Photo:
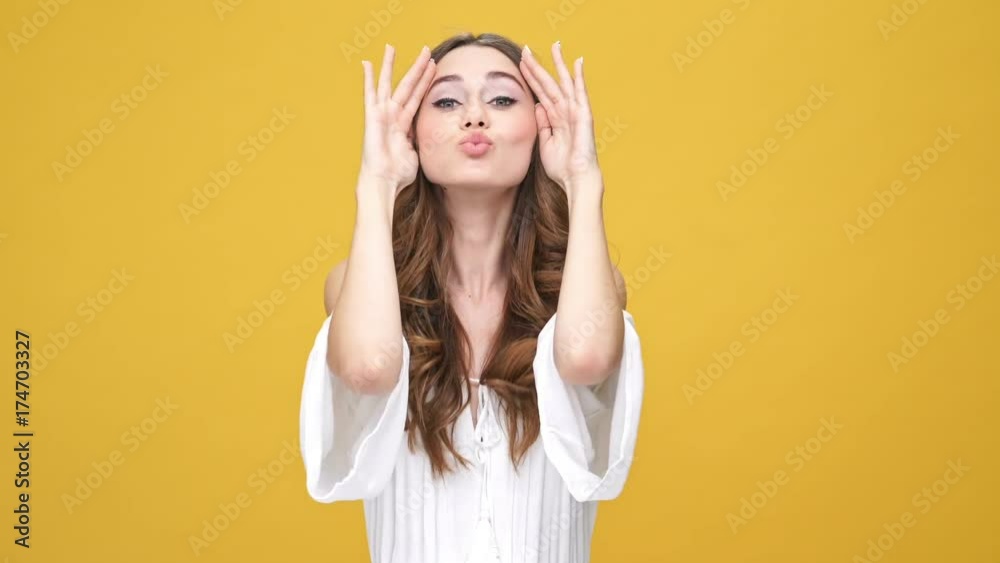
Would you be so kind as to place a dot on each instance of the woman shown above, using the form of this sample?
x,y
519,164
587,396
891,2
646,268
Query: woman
x,y
477,381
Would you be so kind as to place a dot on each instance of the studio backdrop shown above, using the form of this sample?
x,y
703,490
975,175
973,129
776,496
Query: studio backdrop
x,y
802,197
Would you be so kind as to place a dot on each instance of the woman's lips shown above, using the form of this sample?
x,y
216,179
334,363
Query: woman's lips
x,y
475,149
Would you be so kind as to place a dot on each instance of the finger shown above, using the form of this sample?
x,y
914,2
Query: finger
x,y
544,127
542,77
385,77
529,77
580,85
413,102
565,80
369,85
416,71
543,98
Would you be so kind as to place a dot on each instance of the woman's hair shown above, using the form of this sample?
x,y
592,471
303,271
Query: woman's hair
x,y
534,253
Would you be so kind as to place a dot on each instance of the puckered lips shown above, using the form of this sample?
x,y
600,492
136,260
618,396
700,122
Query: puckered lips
x,y
475,144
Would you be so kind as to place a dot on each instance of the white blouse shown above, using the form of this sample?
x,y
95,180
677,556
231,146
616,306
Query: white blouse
x,y
354,447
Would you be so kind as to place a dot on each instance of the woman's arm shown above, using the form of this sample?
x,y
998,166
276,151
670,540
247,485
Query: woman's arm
x,y
365,342
364,346
589,328
349,431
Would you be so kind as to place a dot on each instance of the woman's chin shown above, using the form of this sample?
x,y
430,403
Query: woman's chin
x,y
476,179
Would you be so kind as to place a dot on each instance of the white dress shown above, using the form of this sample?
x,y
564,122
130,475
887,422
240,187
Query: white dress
x,y
354,447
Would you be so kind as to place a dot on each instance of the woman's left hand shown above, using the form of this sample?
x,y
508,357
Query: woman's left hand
x,y
565,123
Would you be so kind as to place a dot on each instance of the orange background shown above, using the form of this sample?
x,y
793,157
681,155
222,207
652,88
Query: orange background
x,y
792,317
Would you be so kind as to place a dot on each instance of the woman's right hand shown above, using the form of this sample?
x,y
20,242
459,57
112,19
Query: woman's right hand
x,y
388,154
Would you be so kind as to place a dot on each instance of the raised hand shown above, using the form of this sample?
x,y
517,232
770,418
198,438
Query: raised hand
x,y
388,154
565,123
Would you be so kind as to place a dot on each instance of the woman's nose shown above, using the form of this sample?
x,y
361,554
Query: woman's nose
x,y
475,115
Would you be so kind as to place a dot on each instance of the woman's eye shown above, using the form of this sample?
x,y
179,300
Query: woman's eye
x,y
448,103
445,103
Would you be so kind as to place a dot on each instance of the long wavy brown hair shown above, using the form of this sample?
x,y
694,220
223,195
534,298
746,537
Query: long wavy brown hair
x,y
534,254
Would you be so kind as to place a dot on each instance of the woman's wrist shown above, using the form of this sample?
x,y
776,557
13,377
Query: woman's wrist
x,y
375,195
585,189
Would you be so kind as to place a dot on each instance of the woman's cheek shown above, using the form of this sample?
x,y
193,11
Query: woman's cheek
x,y
523,138
429,140
526,129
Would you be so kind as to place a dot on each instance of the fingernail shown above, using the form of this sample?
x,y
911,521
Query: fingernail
x,y
558,45
527,49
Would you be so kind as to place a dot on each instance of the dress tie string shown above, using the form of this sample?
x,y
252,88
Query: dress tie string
x,y
487,435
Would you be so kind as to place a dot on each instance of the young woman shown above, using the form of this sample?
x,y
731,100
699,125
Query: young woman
x,y
477,381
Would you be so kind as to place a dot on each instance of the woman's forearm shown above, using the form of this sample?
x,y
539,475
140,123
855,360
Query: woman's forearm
x,y
365,347
589,325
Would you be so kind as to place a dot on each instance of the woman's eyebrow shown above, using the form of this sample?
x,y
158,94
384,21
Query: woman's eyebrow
x,y
492,75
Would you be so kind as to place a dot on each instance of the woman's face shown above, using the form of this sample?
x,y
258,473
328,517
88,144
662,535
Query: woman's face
x,y
476,125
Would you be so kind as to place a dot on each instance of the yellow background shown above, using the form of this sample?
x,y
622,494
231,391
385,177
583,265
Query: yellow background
x,y
680,129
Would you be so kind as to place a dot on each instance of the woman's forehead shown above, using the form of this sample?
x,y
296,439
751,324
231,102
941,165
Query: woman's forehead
x,y
474,61
477,64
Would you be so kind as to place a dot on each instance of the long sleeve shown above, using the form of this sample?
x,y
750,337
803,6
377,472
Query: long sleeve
x,y
589,432
349,441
